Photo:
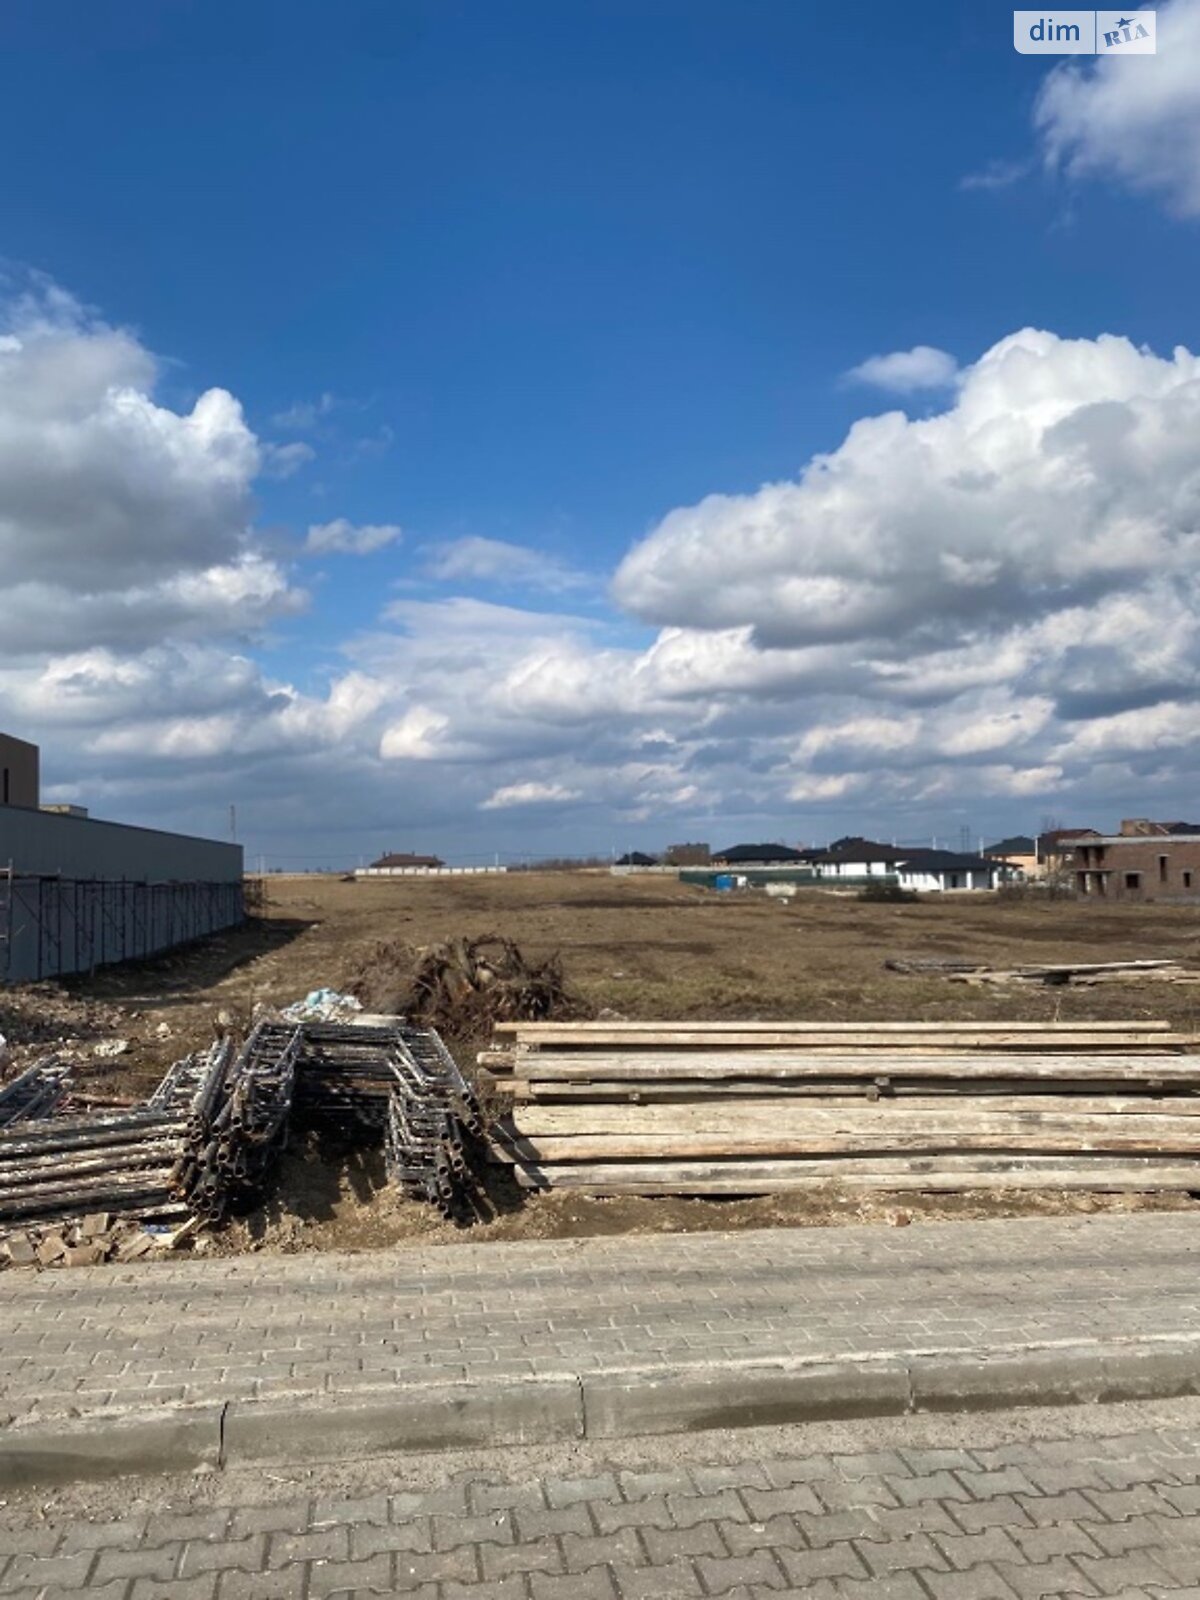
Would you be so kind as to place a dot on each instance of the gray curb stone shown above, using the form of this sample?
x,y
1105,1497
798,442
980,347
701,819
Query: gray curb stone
x,y
430,1417
687,1400
163,1440
606,1404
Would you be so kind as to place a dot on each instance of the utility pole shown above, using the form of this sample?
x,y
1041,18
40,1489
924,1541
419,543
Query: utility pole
x,y
233,823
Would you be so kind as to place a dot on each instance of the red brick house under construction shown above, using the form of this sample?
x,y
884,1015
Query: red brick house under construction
x,y
1139,865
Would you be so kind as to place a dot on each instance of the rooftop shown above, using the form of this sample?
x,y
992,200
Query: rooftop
x,y
403,859
1019,845
948,861
760,852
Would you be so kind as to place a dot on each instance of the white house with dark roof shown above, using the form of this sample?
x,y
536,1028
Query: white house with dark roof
x,y
860,859
919,868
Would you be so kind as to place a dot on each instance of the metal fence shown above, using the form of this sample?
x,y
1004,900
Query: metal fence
x,y
51,925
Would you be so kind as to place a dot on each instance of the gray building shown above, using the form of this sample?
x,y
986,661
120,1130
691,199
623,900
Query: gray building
x,y
77,893
18,772
57,844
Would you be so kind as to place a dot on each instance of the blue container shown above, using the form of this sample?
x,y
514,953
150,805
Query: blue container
x,y
723,881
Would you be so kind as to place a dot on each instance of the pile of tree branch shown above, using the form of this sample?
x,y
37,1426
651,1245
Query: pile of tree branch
x,y
462,987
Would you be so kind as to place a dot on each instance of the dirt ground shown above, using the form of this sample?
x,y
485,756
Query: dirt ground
x,y
638,947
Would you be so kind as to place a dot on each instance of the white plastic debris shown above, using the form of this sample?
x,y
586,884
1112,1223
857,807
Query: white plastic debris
x,y
322,1005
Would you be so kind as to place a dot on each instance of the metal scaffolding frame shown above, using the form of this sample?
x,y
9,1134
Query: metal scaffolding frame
x,y
51,925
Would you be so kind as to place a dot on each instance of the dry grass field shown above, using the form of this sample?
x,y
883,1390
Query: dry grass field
x,y
651,947
640,947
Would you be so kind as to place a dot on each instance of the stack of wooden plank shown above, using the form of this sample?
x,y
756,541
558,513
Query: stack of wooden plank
x,y
733,1108
1058,974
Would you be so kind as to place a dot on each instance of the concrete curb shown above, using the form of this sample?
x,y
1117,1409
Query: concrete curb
x,y
607,1404
411,1417
697,1399
74,1448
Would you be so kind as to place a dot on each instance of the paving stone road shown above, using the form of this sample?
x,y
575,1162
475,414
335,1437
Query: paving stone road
x,y
1012,1507
97,1339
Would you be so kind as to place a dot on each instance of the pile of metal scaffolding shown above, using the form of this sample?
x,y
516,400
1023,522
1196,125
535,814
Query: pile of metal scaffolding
x,y
238,1121
207,1140
346,1077
434,1121
67,1165
399,1081
35,1093
56,1162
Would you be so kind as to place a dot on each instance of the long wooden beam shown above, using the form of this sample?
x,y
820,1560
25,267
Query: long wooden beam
x,y
811,1115
1096,1175
831,1043
722,1066
542,1030
938,1123
1178,1136
829,1088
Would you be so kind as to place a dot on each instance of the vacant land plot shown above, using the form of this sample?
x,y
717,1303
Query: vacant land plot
x,y
639,947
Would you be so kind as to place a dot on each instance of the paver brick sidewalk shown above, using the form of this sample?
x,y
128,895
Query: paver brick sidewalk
x,y
1109,1514
259,1328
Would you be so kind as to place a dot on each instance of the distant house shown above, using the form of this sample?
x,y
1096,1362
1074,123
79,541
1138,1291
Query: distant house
x,y
759,855
857,858
1020,851
1020,844
917,867
396,860
635,858
950,869
687,855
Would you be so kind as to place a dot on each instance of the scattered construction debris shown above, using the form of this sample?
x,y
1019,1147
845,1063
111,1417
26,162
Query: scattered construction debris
x,y
40,1017
91,1240
1078,974
761,1108
322,1005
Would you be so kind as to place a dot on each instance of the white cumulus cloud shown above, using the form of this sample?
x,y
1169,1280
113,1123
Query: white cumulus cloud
x,y
118,515
906,371
530,794
1064,470
416,736
1134,120
495,561
341,536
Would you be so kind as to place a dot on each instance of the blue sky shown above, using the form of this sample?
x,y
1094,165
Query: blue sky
x,y
546,275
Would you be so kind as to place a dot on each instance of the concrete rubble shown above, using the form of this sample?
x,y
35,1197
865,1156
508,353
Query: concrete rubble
x,y
88,1242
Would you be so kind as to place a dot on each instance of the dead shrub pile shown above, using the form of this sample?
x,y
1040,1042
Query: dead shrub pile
x,y
464,986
